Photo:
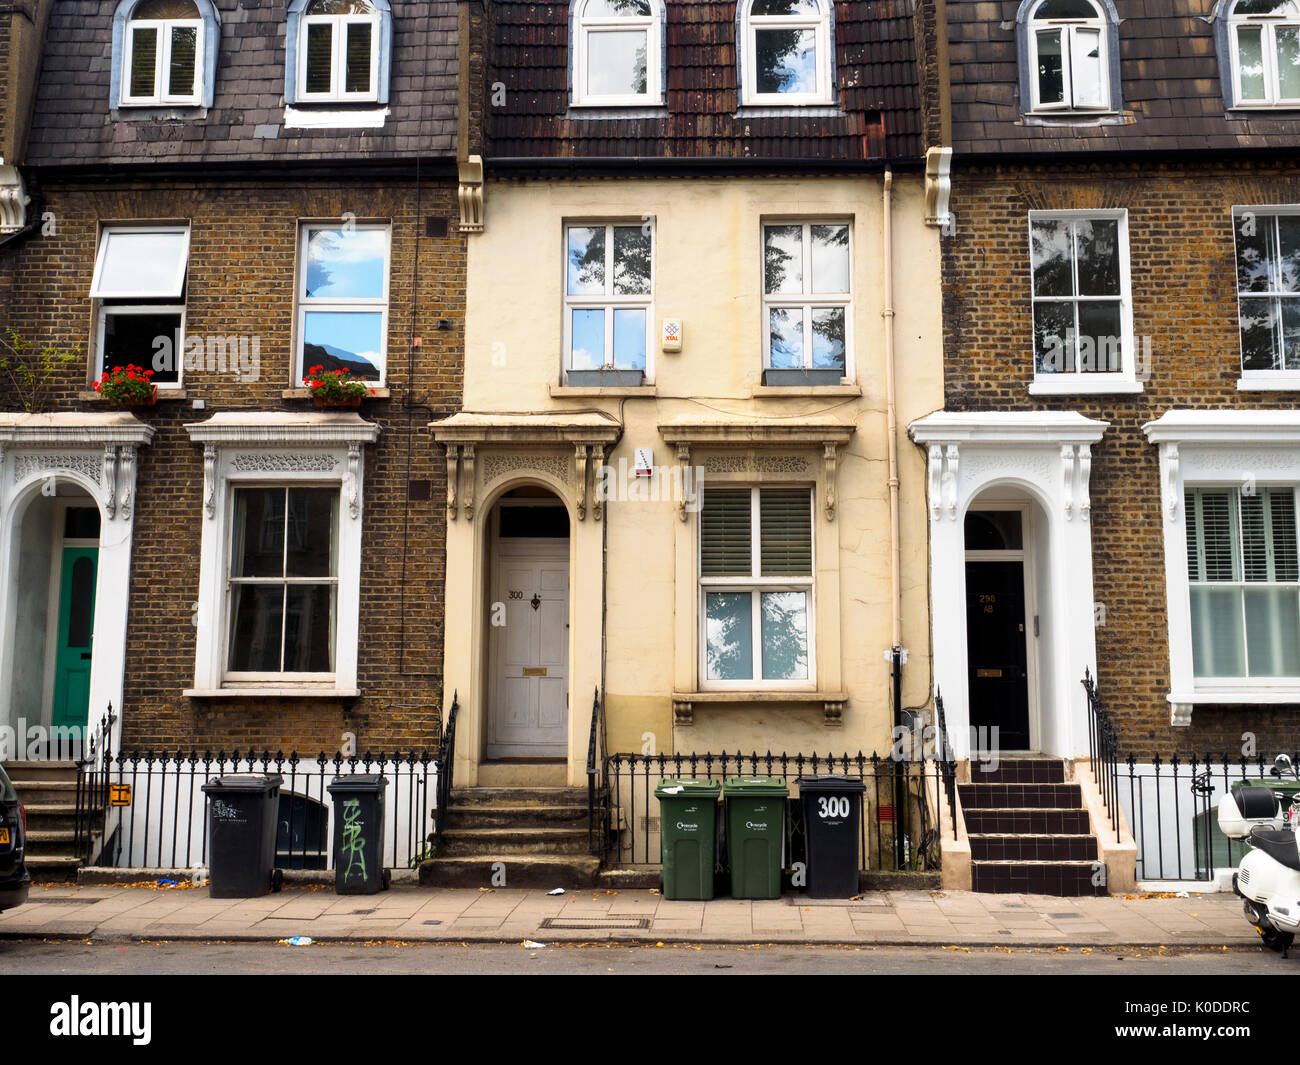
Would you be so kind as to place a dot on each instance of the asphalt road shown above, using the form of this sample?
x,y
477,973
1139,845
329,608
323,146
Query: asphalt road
x,y
166,959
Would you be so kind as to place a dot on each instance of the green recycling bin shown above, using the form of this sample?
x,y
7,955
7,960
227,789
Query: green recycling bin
x,y
688,812
755,835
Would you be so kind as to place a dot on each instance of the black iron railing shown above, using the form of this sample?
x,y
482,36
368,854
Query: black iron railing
x,y
92,792
162,819
597,791
631,781
446,770
1103,750
947,764
1172,808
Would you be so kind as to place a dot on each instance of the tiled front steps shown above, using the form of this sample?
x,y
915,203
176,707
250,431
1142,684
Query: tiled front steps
x,y
48,791
1029,831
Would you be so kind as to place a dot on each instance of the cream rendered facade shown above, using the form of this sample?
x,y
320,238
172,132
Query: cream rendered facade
x,y
634,628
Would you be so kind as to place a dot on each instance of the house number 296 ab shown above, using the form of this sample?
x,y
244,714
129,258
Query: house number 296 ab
x,y
832,806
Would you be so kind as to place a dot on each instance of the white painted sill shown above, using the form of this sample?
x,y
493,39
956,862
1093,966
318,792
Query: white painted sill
x,y
1101,385
324,119
1238,697
269,692
1269,384
306,393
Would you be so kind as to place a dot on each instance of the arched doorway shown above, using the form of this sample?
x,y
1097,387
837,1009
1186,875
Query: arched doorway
x,y
56,545
528,627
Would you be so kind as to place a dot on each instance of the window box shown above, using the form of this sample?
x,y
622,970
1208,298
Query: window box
x,y
605,378
805,378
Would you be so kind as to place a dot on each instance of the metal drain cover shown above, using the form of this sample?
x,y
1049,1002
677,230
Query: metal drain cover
x,y
578,924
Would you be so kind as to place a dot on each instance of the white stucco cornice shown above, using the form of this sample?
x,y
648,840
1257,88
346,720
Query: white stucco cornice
x,y
1005,427
74,429
1225,426
560,427
278,428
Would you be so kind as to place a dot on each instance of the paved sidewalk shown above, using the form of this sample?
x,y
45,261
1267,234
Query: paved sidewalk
x,y
464,915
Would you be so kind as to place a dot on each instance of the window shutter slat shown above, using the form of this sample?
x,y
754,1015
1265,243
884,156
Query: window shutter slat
x,y
1215,535
785,524
144,57
320,57
358,57
180,78
725,549
1286,564
1254,542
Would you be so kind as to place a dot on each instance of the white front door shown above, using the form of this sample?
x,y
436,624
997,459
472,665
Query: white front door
x,y
528,714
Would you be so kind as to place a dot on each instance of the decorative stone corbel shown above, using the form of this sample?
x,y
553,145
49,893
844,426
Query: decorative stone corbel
x,y
210,480
1085,477
950,482
833,712
580,485
935,469
1067,475
470,194
597,463
684,461
1180,715
453,472
13,200
831,452
126,477
683,712
1169,462
938,190
467,469
110,480
354,479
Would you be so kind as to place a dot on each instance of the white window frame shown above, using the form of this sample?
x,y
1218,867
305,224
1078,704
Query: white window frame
x,y
1077,382
750,24
756,585
101,332
585,25
608,301
338,58
141,304
1262,380
1269,25
808,300
162,63
305,304
246,450
231,676
1069,31
1239,580
1208,449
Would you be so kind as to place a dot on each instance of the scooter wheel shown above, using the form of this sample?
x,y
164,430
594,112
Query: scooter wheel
x,y
1273,939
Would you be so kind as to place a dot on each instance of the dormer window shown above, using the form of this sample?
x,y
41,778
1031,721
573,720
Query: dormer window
x,y
1068,56
616,62
164,53
786,50
338,51
1263,39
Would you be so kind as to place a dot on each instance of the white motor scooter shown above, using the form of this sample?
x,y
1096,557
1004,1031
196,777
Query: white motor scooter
x,y
1268,878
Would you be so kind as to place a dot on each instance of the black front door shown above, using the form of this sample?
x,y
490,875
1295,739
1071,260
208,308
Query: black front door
x,y
995,654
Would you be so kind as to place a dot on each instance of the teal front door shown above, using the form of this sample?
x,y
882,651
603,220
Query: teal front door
x,y
75,632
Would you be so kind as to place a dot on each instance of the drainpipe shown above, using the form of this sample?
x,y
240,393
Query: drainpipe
x,y
896,656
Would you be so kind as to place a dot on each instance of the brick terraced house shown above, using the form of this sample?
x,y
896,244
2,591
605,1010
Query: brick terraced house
x,y
1115,476
229,193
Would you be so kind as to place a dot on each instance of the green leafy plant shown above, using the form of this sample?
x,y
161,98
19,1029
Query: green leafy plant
x,y
336,386
126,385
429,852
30,371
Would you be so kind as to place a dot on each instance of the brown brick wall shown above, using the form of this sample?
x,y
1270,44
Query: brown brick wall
x,y
1184,298
240,283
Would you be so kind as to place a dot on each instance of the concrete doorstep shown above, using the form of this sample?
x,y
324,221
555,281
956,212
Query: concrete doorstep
x,y
407,913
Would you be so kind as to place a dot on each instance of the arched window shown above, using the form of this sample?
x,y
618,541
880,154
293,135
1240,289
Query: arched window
x,y
338,51
1263,39
617,45
786,52
164,53
1068,55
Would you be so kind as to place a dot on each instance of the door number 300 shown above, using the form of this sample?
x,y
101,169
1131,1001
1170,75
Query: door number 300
x,y
832,806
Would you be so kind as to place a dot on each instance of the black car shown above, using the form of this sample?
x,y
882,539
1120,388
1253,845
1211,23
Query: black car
x,y
14,879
